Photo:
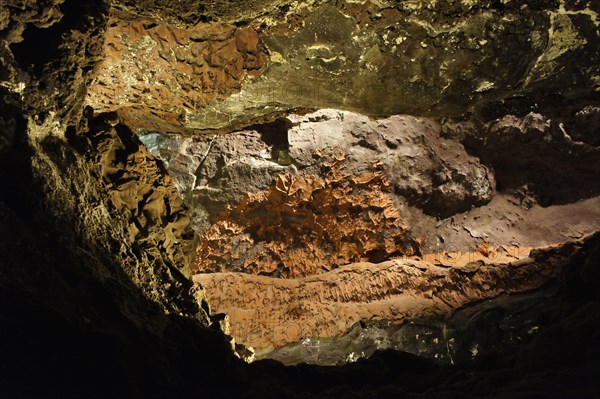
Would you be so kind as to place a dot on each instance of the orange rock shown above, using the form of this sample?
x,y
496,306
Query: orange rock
x,y
327,304
246,40
161,71
307,224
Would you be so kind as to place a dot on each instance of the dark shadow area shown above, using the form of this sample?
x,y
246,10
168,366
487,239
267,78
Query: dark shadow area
x,y
75,325
275,134
41,46
15,154
554,160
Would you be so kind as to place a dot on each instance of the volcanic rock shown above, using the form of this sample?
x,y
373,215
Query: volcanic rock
x,y
267,312
171,72
95,299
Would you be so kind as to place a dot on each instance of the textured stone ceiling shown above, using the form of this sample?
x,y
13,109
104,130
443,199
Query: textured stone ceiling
x,y
322,180
321,168
441,59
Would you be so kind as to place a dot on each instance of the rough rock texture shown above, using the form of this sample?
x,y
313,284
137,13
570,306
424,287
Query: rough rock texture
x,y
85,311
433,173
91,307
213,172
189,12
267,312
324,189
141,192
508,220
50,117
427,168
306,224
331,187
584,127
156,74
479,330
377,58
552,363
439,59
522,150
48,54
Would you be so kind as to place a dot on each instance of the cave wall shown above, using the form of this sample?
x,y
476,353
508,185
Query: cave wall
x,y
64,170
89,305
95,299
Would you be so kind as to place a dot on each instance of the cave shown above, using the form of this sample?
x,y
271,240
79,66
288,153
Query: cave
x,y
300,199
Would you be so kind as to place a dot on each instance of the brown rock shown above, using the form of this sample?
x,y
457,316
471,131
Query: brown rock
x,y
246,40
138,188
155,73
307,224
267,312
212,32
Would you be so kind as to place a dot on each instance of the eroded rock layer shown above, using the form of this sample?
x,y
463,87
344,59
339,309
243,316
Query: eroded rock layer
x,y
476,331
268,312
305,224
377,58
171,72
94,295
312,193
338,179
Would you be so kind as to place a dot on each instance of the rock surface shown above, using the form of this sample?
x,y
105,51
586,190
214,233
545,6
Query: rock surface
x,y
382,58
475,331
433,173
144,195
303,225
93,298
522,150
171,72
267,313
329,188
304,194
215,171
88,307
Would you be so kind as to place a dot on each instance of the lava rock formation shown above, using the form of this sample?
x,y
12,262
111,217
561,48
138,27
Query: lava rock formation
x,y
375,130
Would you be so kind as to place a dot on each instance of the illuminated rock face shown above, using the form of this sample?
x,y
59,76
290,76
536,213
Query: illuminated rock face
x,y
157,74
310,193
307,224
267,312
299,201
218,71
500,150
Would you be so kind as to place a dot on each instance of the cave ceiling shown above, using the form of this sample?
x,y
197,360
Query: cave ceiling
x,y
190,185
322,167
245,63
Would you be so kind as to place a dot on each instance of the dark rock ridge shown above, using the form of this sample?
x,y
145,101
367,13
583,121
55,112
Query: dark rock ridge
x,y
523,150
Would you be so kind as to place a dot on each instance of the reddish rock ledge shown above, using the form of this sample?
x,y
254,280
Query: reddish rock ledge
x,y
268,312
